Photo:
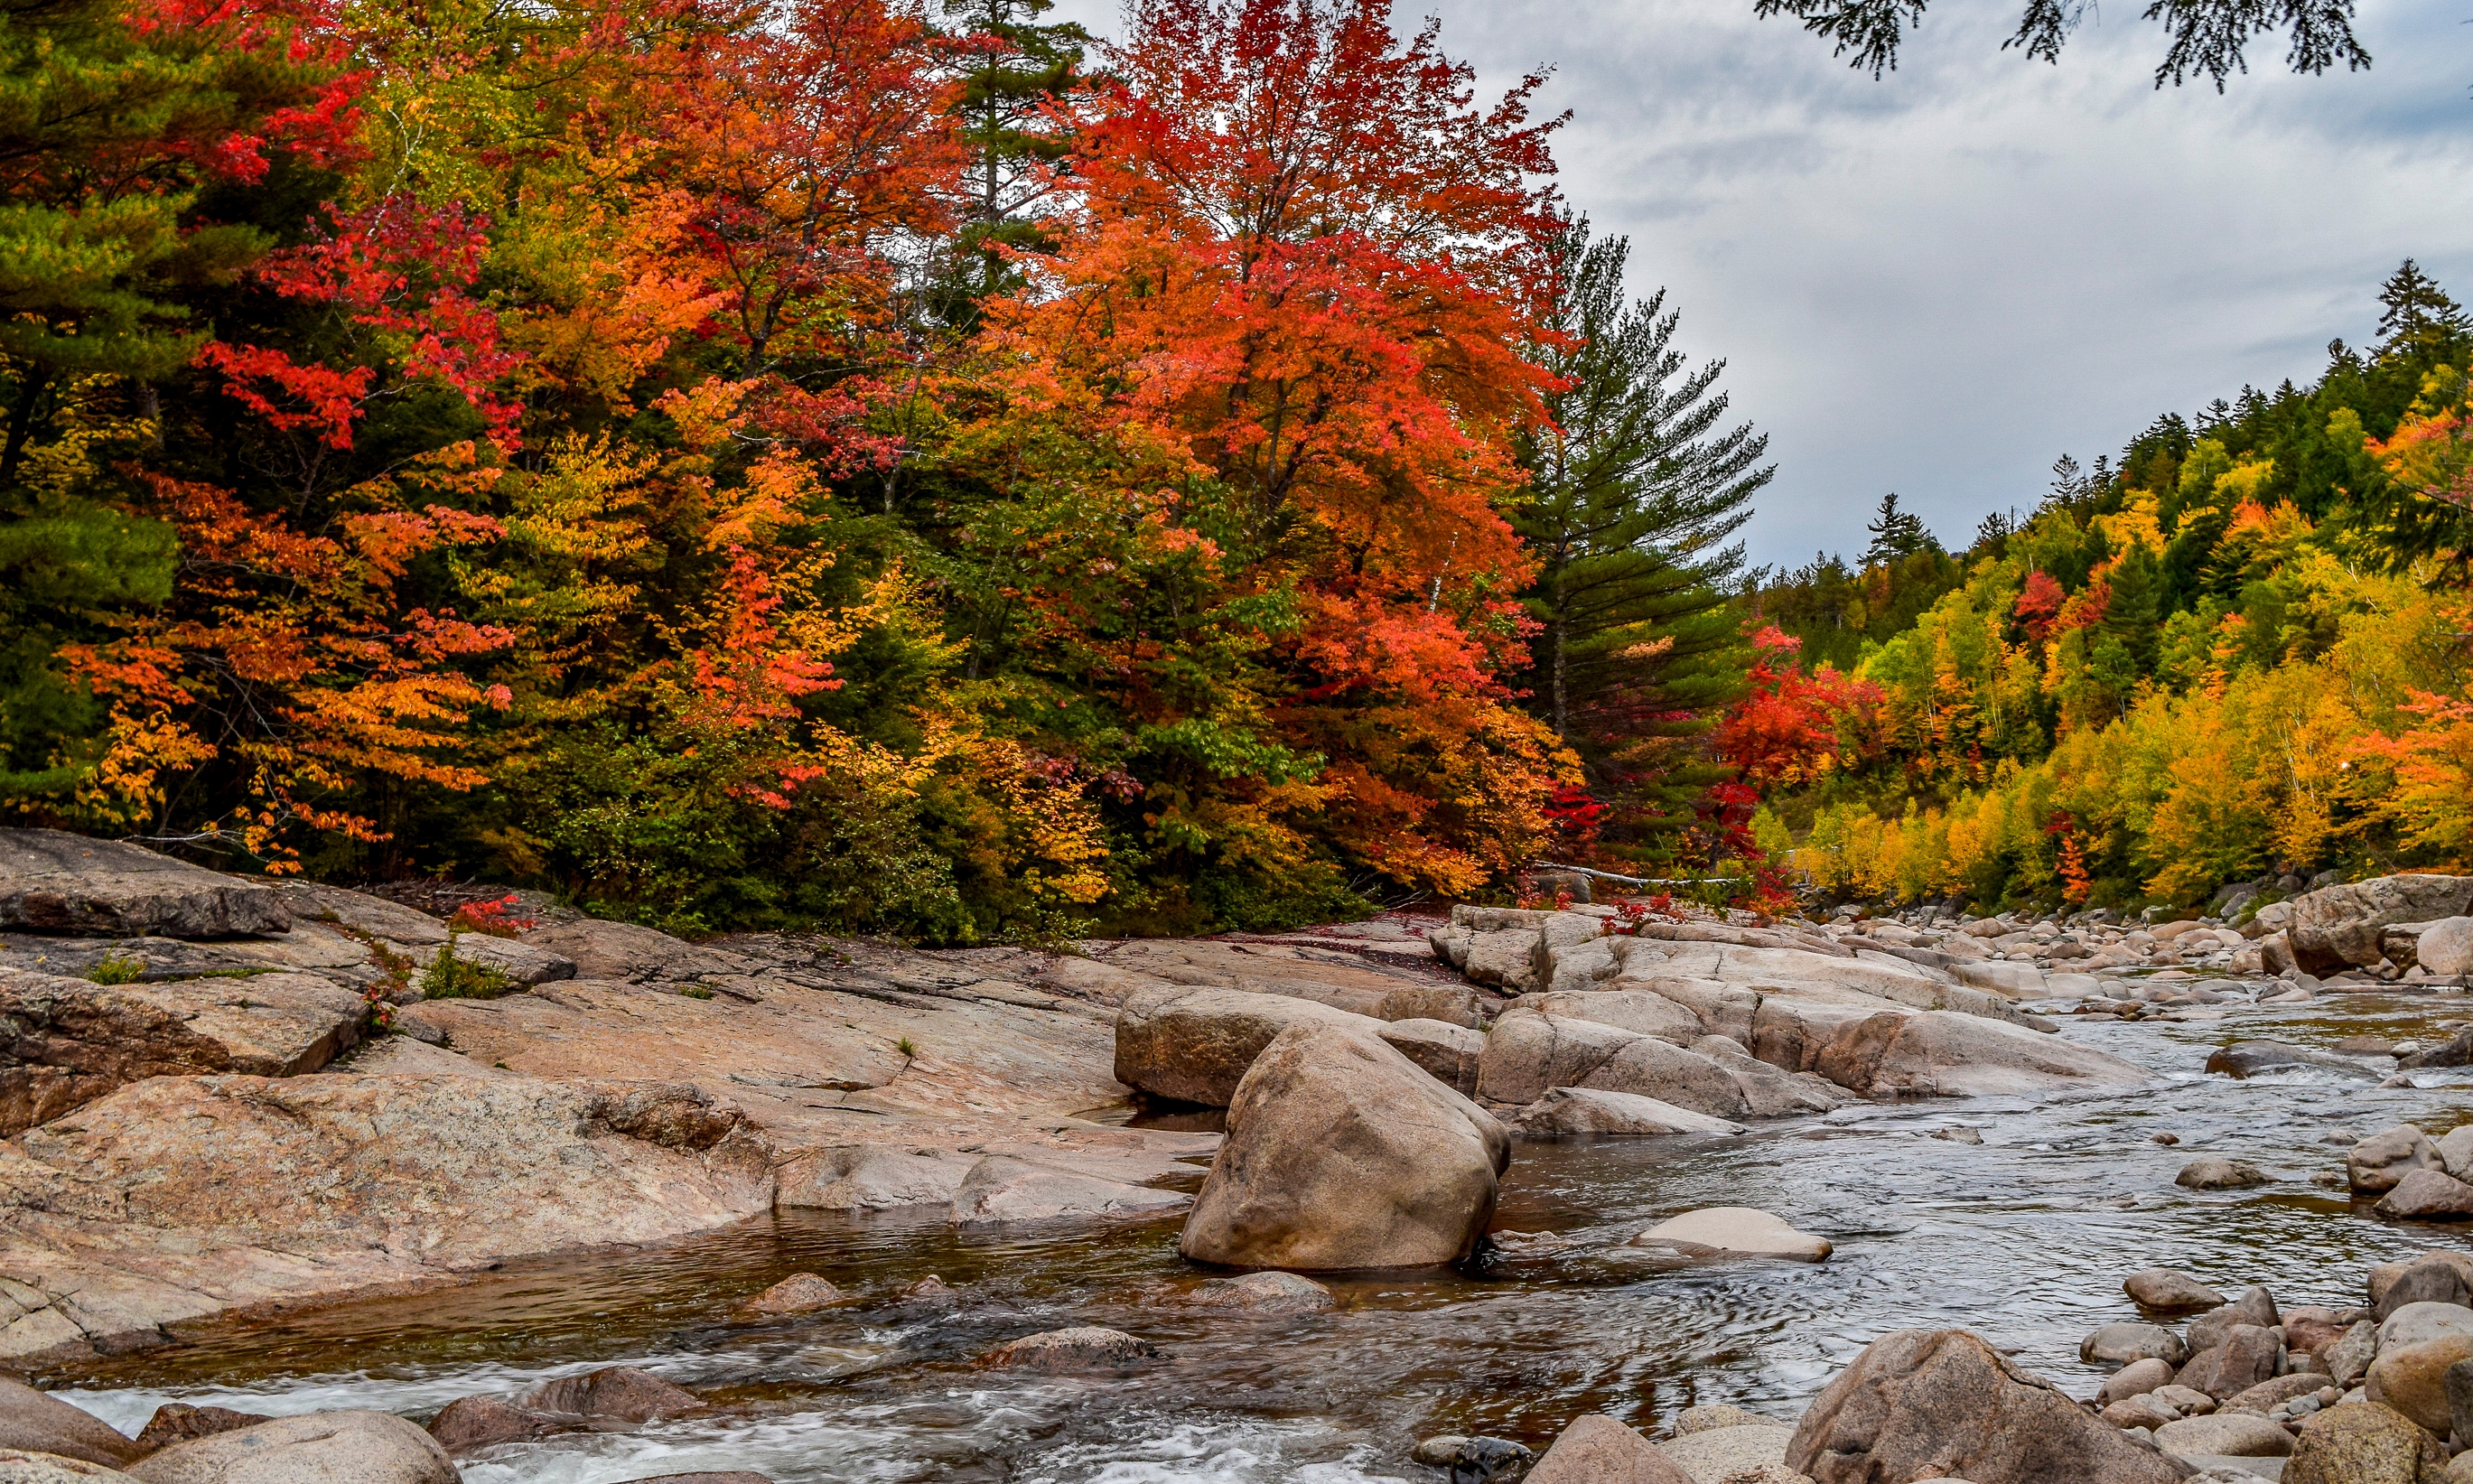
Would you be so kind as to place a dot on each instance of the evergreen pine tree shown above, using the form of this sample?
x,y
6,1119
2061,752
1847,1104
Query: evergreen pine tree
x,y
1896,534
1018,70
1635,489
2415,317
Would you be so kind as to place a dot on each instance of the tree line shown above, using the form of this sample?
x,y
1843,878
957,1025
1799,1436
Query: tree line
x,y
842,463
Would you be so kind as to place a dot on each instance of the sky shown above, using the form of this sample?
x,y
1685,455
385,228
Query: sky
x,y
1940,282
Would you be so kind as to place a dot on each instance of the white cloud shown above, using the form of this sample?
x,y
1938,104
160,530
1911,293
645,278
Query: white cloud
x,y
1938,283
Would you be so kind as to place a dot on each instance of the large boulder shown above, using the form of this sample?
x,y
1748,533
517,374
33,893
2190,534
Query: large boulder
x,y
2446,947
1194,1046
2436,1277
51,882
1341,1154
323,1448
1599,1450
1951,1054
2342,926
1940,1403
30,1422
65,1042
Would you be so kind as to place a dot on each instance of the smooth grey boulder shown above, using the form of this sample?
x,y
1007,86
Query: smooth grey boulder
x,y
2213,1172
2128,1341
2428,1195
1194,1046
2446,947
2437,1277
2255,1306
53,882
1341,1154
2410,1324
178,1422
2224,1435
323,1448
2376,1163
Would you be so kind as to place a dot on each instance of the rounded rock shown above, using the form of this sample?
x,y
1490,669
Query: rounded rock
x,y
2362,1443
2128,1341
2167,1291
2217,1173
1734,1231
1082,1350
2413,1379
2224,1435
1263,1293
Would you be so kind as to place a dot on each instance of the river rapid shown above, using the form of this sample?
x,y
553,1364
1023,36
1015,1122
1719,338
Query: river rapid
x,y
2024,1237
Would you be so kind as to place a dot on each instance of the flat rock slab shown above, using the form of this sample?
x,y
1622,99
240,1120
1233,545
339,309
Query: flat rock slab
x,y
69,1041
121,1218
51,882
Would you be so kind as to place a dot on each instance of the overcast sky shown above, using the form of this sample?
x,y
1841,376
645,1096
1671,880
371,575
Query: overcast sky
x,y
1940,282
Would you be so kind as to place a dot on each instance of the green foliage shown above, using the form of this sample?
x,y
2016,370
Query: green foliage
x,y
452,976
1633,494
114,968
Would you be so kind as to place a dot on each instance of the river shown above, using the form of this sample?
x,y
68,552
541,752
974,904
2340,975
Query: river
x,y
2024,1237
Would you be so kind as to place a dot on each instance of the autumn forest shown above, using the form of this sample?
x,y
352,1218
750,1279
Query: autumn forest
x,y
924,470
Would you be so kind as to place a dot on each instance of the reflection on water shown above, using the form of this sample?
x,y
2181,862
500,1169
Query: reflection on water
x,y
2025,1238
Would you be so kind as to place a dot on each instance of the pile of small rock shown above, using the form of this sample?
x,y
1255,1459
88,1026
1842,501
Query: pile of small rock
x,y
2379,1394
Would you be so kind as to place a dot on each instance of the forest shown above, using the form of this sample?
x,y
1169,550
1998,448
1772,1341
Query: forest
x,y
2238,649
840,463
920,469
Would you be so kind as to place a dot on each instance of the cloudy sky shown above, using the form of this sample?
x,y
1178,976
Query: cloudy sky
x,y
1940,282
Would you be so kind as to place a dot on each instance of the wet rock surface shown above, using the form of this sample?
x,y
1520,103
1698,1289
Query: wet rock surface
x,y
2066,1184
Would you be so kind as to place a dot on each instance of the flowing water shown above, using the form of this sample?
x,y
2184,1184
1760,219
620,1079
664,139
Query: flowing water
x,y
2024,1237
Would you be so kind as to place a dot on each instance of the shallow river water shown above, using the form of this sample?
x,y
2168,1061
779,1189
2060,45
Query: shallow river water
x,y
2024,1239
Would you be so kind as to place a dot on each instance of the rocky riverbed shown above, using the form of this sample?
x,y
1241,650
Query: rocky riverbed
x,y
877,1214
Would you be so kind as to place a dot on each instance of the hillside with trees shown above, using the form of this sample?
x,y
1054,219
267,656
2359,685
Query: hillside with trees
x,y
840,463
2239,648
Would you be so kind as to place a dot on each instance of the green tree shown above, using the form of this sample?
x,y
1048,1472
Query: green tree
x,y
121,132
1896,534
1634,491
2417,319
1015,76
